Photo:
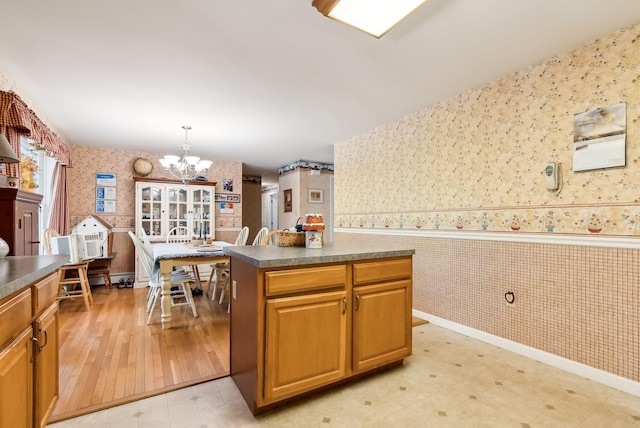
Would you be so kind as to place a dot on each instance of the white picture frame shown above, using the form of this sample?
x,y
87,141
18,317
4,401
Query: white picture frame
x,y
315,196
599,139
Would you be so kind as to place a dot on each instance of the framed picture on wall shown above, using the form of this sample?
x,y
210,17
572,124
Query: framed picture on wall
x,y
316,196
599,138
288,201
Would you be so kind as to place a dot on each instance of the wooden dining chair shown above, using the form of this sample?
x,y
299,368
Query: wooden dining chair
x,y
73,280
271,238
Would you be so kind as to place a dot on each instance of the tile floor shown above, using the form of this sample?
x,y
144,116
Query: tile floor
x,y
449,381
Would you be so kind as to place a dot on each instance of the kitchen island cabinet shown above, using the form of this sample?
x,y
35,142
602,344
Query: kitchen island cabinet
x,y
28,339
306,319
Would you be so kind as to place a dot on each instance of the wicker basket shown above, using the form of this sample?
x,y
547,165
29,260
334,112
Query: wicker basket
x,y
291,239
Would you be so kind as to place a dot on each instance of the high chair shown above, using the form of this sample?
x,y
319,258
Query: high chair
x,y
72,275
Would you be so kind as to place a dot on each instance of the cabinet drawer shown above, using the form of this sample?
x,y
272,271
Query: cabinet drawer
x,y
306,279
45,292
15,315
379,271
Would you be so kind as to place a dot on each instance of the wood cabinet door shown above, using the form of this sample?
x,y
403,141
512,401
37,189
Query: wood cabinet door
x,y
16,382
46,364
305,343
381,324
27,239
201,202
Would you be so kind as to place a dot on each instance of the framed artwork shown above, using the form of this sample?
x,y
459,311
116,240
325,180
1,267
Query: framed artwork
x,y
599,138
316,196
288,201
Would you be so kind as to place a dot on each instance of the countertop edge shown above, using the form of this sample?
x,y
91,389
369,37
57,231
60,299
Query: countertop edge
x,y
42,267
272,256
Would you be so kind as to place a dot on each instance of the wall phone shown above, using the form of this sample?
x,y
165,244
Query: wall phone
x,y
551,175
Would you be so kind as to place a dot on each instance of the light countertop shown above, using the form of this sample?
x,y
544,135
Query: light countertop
x,y
268,256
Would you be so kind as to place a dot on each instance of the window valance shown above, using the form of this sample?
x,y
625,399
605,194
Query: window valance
x,y
17,119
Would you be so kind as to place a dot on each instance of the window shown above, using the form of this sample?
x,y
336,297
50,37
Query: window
x,y
36,174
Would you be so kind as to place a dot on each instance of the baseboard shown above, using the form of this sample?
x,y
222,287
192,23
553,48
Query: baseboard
x,y
597,375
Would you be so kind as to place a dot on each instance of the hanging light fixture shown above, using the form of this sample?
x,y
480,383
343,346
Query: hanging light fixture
x,y
188,167
374,17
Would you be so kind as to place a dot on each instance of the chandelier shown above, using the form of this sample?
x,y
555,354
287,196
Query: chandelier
x,y
188,167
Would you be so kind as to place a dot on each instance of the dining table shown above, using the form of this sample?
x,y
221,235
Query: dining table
x,y
166,256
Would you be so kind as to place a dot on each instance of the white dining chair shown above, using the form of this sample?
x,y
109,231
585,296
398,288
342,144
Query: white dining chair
x,y
185,235
145,238
222,269
260,235
47,234
155,281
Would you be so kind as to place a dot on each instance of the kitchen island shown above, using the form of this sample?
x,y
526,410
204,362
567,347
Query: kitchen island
x,y
28,339
18,272
303,319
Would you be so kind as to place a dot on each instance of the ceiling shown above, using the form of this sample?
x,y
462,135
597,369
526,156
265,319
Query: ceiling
x,y
267,82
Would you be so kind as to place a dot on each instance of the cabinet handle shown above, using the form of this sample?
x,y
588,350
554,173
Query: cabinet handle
x,y
357,300
344,305
36,347
46,338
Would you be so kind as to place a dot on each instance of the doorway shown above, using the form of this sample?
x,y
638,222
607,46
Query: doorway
x,y
272,216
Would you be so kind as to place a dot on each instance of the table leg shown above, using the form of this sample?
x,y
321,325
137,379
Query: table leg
x,y
196,276
165,299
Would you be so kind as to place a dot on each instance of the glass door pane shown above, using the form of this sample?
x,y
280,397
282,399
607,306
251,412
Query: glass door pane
x,y
201,203
178,213
151,210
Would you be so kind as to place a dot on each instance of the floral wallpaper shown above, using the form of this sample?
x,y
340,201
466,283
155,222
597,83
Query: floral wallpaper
x,y
87,161
476,161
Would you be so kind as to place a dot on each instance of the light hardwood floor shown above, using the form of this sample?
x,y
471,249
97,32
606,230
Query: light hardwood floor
x,y
109,356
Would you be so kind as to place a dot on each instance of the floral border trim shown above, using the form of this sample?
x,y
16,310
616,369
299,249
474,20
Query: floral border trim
x,y
304,164
609,220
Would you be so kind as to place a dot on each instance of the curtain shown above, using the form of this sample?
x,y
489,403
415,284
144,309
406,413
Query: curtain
x,y
59,215
17,119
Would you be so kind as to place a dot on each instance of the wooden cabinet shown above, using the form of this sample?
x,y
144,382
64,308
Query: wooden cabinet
x,y
379,339
16,382
29,355
16,364
381,287
297,329
305,343
46,364
19,214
